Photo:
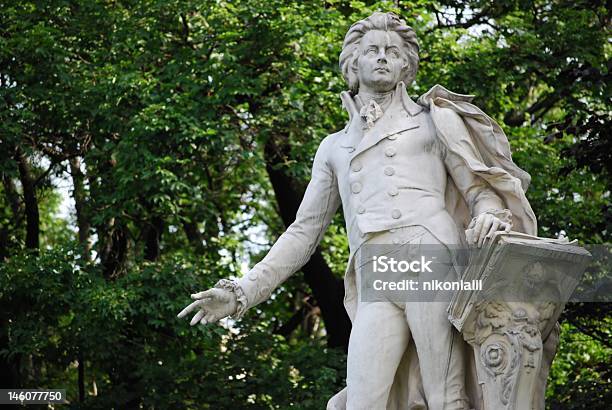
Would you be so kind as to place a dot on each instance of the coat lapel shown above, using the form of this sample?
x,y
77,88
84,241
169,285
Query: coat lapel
x,y
397,118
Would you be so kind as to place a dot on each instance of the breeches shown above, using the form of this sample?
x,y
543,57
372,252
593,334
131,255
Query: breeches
x,y
382,331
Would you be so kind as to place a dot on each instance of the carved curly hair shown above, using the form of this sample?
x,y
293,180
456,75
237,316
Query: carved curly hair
x,y
385,22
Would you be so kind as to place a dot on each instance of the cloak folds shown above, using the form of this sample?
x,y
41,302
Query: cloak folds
x,y
486,152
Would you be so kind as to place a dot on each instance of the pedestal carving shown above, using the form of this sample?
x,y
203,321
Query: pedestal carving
x,y
526,282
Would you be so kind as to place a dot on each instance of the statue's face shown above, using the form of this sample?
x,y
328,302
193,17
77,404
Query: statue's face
x,y
380,61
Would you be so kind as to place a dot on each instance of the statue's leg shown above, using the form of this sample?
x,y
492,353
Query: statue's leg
x,y
440,352
378,340
439,346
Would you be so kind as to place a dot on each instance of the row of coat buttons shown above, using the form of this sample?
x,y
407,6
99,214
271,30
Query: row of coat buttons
x,y
390,152
395,214
388,170
356,186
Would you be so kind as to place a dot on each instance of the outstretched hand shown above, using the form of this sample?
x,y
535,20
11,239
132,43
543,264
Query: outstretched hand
x,y
211,305
483,227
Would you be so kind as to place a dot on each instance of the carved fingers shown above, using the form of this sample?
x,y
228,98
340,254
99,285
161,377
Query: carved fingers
x,y
197,317
189,308
202,295
209,318
483,227
210,306
498,225
495,224
194,306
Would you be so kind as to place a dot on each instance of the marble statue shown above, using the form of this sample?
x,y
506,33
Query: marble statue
x,y
435,171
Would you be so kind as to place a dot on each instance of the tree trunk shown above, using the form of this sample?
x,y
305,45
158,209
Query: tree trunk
x,y
114,249
9,373
81,377
294,321
194,236
153,233
10,191
12,198
80,198
30,201
326,288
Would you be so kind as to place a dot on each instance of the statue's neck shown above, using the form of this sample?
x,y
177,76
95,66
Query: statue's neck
x,y
382,99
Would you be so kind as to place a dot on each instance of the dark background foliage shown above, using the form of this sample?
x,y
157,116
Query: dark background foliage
x,y
181,135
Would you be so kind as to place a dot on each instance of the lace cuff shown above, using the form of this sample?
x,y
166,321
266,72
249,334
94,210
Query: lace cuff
x,y
241,299
503,215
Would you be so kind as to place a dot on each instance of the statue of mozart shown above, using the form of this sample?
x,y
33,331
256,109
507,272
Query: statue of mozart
x,y
434,171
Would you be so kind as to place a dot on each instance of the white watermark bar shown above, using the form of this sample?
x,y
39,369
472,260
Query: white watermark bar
x,y
510,271
32,396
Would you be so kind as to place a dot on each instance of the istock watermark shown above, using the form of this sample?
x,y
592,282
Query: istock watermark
x,y
386,264
507,272
432,285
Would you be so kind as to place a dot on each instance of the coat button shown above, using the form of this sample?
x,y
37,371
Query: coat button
x,y
390,152
396,241
356,167
265,291
393,191
396,214
392,137
356,187
389,171
360,209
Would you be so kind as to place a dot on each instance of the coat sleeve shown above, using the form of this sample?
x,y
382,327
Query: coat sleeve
x,y
296,245
479,196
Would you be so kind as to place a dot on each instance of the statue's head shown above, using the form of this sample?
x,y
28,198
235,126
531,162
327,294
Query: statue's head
x,y
378,52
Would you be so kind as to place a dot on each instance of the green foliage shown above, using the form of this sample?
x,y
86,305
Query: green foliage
x,y
579,376
170,106
127,333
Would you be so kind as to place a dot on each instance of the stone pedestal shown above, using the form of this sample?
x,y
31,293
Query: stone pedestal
x,y
526,282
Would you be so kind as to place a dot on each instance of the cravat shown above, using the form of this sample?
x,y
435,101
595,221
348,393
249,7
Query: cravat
x,y
370,113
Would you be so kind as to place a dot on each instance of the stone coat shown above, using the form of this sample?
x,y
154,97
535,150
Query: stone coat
x,y
392,175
